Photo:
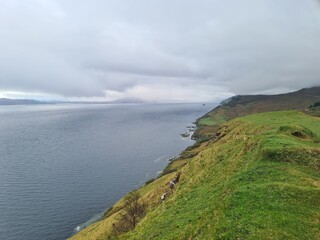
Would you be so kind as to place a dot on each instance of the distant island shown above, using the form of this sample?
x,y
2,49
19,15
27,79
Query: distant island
x,y
9,101
253,173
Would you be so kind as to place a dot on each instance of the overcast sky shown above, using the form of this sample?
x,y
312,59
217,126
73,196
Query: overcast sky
x,y
159,50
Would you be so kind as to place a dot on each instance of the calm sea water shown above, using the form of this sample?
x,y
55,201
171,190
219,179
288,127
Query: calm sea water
x,y
61,165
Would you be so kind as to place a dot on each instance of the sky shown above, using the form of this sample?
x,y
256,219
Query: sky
x,y
157,51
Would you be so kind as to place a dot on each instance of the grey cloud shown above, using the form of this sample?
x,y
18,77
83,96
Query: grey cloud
x,y
120,49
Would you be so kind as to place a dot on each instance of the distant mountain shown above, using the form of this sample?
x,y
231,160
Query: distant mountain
x,y
7,101
120,101
128,100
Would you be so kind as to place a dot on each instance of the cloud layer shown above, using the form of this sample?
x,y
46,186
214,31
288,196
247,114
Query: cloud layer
x,y
158,50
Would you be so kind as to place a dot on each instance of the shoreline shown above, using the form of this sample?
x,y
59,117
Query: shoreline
x,y
195,139
100,216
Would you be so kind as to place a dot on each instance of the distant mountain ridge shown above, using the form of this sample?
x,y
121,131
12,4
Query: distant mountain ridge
x,y
8,101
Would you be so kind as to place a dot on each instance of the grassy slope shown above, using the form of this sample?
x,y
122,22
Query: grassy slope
x,y
244,105
237,185
256,182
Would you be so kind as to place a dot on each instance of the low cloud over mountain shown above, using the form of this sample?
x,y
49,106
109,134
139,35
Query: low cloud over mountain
x,y
157,50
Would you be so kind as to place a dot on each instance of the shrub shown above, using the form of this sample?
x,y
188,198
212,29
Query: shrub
x,y
133,211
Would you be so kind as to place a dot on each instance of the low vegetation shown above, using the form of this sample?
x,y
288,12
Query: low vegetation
x,y
251,175
317,104
132,212
257,180
314,109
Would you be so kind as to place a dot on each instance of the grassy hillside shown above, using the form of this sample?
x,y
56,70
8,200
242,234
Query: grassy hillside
x,y
244,105
257,178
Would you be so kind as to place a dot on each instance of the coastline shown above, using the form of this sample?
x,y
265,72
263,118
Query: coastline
x,y
229,138
101,216
174,163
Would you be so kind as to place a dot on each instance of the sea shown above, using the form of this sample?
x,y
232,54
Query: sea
x,y
63,165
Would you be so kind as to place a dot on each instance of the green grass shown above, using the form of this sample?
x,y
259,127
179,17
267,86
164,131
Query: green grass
x,y
236,191
212,121
260,181
238,106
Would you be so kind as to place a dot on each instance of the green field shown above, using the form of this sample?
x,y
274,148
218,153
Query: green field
x,y
258,179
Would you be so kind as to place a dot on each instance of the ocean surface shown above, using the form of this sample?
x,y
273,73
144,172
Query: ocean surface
x,y
63,165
